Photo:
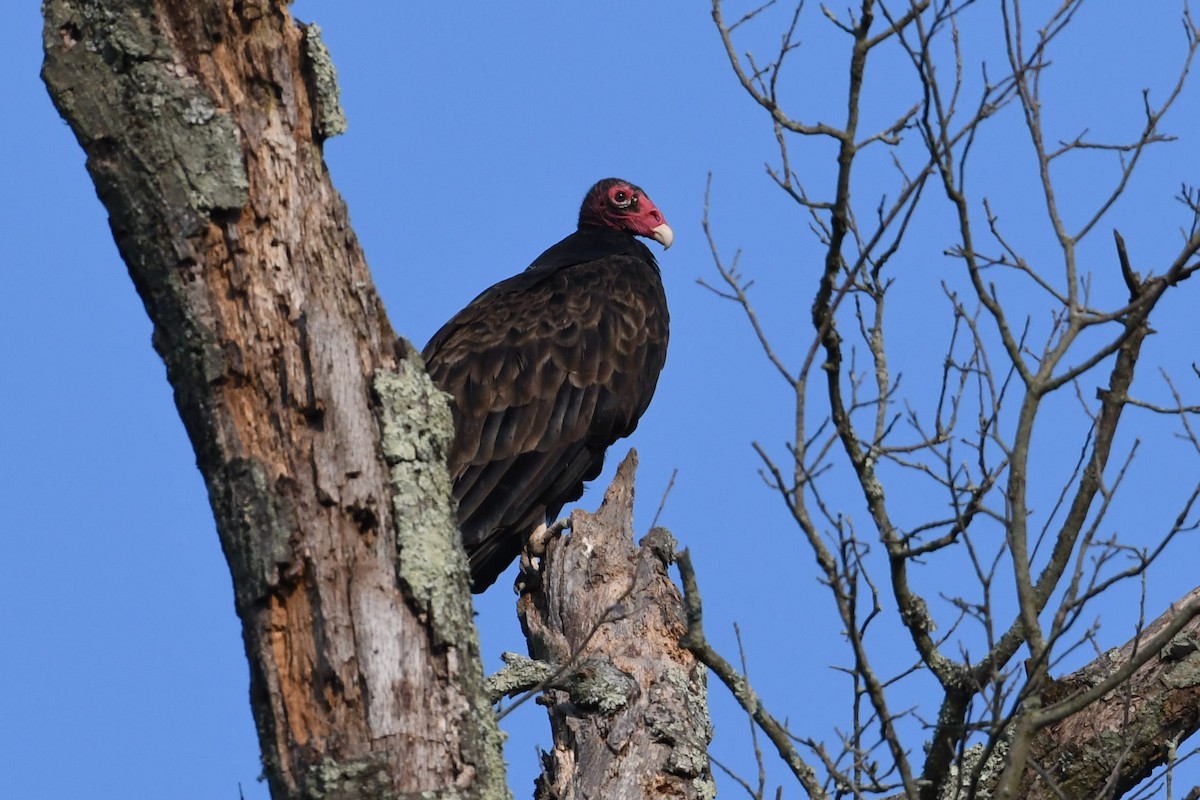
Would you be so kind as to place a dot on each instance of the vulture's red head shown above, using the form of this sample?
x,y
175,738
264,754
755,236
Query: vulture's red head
x,y
614,203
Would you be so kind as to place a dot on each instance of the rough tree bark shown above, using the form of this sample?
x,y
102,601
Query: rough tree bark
x,y
320,440
323,443
1115,729
627,703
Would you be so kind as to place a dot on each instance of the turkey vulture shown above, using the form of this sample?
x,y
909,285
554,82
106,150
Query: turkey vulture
x,y
548,368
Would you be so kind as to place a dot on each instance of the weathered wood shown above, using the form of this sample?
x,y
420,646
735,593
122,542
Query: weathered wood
x,y
1116,717
320,442
627,704
1121,738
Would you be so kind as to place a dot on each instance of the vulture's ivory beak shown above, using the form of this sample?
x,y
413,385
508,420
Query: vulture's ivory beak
x,y
663,235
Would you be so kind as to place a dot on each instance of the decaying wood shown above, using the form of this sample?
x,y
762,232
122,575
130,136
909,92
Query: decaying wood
x,y
627,704
1120,738
322,444
1105,727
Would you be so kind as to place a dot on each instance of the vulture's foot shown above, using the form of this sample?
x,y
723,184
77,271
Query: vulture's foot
x,y
531,557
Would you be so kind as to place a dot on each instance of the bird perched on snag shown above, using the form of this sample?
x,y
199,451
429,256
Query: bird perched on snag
x,y
547,369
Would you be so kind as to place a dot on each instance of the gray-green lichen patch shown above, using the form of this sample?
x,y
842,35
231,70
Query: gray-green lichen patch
x,y
149,115
661,544
333,780
416,430
1184,671
689,732
958,779
1182,645
519,674
600,685
330,119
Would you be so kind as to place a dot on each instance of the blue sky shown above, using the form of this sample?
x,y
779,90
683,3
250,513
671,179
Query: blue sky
x,y
474,132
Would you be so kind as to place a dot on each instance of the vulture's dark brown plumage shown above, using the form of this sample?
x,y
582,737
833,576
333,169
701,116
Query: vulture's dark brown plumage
x,y
547,369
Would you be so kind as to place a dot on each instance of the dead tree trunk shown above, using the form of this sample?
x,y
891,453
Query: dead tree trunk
x,y
320,440
627,704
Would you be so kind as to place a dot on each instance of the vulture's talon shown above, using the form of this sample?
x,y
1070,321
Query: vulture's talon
x,y
530,575
542,534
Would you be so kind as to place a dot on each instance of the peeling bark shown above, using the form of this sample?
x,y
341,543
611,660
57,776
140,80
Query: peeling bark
x,y
322,444
627,704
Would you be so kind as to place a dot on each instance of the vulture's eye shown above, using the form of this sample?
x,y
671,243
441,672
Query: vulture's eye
x,y
622,199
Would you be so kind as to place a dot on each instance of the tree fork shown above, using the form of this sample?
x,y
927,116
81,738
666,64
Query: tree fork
x,y
321,442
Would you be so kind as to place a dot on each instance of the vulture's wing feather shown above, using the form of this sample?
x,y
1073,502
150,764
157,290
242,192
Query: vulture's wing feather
x,y
547,369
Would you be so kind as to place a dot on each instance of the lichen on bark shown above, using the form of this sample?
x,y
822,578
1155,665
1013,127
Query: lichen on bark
x,y
629,713
415,432
198,125
416,428
331,120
